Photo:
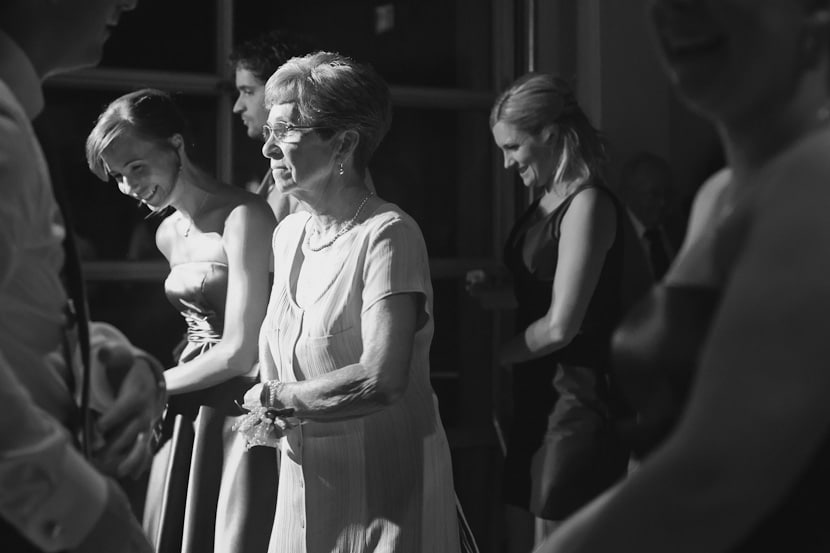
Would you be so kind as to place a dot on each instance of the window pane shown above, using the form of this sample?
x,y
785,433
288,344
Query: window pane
x,y
436,165
141,311
177,35
461,356
439,43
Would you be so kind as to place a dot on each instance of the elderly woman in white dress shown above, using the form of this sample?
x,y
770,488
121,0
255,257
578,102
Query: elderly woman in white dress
x,y
344,349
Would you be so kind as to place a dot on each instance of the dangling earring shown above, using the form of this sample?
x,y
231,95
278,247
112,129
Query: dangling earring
x,y
341,169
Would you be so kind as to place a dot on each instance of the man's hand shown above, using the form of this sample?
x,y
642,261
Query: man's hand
x,y
128,424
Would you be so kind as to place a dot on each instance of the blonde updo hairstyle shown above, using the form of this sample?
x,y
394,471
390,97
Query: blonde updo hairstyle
x,y
148,113
539,100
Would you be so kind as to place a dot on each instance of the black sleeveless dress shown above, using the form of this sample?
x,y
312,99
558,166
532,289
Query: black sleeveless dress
x,y
563,447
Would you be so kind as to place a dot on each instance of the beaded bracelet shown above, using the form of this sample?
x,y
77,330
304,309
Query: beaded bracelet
x,y
268,396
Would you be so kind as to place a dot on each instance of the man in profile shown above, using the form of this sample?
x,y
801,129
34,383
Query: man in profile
x,y
53,497
254,61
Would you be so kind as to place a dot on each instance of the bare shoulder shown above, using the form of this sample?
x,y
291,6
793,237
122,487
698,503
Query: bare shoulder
x,y
592,207
594,198
705,207
249,209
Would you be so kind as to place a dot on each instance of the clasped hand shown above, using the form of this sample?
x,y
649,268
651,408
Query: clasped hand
x,y
262,425
126,429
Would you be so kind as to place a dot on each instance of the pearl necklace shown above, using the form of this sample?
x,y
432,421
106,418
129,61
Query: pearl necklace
x,y
343,230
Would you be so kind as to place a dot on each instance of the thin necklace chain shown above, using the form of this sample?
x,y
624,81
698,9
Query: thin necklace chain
x,y
197,210
343,230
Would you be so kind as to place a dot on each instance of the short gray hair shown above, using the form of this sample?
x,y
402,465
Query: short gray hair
x,y
335,92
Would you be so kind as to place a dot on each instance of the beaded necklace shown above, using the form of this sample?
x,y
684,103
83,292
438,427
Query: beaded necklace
x,y
343,230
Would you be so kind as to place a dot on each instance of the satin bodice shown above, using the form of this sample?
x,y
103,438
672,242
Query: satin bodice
x,y
197,289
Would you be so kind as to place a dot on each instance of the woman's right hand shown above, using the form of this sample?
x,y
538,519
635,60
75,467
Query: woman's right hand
x,y
476,280
491,288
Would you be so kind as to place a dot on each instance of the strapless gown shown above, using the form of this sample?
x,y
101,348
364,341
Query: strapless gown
x,y
206,493
655,351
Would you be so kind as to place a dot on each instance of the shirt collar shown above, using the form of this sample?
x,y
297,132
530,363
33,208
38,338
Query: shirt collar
x,y
17,71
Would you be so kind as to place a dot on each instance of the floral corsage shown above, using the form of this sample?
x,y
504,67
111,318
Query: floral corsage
x,y
264,425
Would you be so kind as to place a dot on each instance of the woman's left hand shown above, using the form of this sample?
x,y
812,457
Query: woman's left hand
x,y
252,396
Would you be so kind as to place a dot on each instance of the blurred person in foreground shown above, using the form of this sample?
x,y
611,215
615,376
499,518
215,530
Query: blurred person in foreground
x,y
726,360
54,367
344,349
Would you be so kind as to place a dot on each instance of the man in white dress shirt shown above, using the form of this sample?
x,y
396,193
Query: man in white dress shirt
x,y
52,498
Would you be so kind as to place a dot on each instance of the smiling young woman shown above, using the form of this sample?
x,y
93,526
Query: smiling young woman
x,y
216,242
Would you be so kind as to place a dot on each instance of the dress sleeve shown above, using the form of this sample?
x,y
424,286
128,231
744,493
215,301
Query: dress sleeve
x,y
396,262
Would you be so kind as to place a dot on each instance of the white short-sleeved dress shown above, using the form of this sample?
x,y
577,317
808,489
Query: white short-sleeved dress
x,y
379,483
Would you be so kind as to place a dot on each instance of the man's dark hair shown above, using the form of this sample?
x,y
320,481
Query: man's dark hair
x,y
265,53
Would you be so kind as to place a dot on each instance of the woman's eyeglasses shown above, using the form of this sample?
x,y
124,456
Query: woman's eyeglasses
x,y
279,130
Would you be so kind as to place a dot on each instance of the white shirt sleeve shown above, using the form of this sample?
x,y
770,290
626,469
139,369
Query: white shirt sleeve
x,y
47,489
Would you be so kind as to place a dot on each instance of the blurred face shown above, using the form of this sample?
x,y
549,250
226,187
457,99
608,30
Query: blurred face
x,y
144,169
82,27
302,162
647,195
250,104
533,156
730,59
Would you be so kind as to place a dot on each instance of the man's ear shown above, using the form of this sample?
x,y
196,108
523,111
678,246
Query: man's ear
x,y
177,142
